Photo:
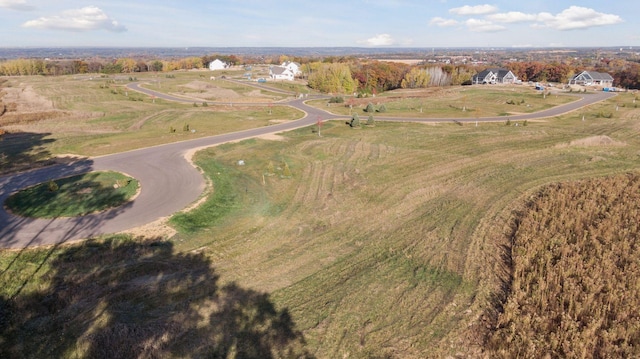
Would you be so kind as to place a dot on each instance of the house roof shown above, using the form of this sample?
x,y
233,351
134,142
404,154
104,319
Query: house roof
x,y
602,76
278,70
499,72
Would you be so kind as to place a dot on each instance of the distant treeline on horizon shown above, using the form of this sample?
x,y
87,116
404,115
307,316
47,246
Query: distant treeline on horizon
x,y
8,53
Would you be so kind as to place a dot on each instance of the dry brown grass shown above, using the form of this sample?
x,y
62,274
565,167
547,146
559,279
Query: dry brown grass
x,y
574,291
601,140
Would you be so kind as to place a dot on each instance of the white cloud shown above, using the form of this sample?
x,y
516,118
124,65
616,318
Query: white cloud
x,y
379,40
512,16
577,17
16,5
574,17
442,22
478,25
84,19
474,10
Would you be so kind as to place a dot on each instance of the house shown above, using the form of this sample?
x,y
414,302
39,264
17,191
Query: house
x,y
591,78
494,76
281,73
217,64
293,66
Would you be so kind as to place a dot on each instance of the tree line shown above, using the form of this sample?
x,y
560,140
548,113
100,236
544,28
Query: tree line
x,y
344,74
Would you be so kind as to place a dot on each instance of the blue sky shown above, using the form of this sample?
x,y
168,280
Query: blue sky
x,y
326,23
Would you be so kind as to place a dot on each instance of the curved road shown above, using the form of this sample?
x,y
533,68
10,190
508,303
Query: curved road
x,y
168,181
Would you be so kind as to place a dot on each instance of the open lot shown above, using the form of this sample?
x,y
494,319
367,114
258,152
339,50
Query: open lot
x,y
452,102
378,241
92,116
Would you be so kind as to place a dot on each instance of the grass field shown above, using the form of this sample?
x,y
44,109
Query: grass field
x,y
97,116
455,102
382,241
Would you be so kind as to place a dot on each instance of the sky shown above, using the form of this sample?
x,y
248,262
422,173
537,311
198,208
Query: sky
x,y
319,23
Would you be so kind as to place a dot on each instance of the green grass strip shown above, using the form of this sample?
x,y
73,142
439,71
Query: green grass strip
x,y
74,196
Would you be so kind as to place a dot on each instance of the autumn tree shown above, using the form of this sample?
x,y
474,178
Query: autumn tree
x,y
628,77
438,77
333,78
127,65
156,66
461,75
22,67
415,78
379,76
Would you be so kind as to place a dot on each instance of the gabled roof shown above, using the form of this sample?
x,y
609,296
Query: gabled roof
x,y
499,72
602,76
278,70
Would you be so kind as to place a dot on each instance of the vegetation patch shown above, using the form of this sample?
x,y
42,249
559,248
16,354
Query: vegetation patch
x,y
575,289
74,196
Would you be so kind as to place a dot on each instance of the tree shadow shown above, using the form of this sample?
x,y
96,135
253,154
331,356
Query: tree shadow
x,y
133,298
71,196
20,151
20,232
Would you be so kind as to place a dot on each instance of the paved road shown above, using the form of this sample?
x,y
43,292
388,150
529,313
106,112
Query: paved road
x,y
168,182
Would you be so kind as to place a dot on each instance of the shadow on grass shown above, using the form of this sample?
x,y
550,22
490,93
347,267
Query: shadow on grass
x,y
73,196
124,298
23,150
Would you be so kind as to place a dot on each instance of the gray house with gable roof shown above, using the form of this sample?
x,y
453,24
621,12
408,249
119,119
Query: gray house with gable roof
x,y
591,78
494,76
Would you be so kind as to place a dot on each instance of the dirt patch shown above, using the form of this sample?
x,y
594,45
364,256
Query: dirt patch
x,y
156,229
26,99
22,105
209,91
273,137
593,141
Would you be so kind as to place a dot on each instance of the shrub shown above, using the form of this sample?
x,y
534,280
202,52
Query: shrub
x,y
371,121
53,186
508,123
382,108
336,99
286,172
355,121
369,108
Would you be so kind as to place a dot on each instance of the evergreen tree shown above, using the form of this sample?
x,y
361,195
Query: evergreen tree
x,y
371,121
369,108
355,121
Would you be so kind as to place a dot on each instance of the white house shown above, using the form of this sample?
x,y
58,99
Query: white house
x,y
591,78
493,76
217,64
293,66
281,73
